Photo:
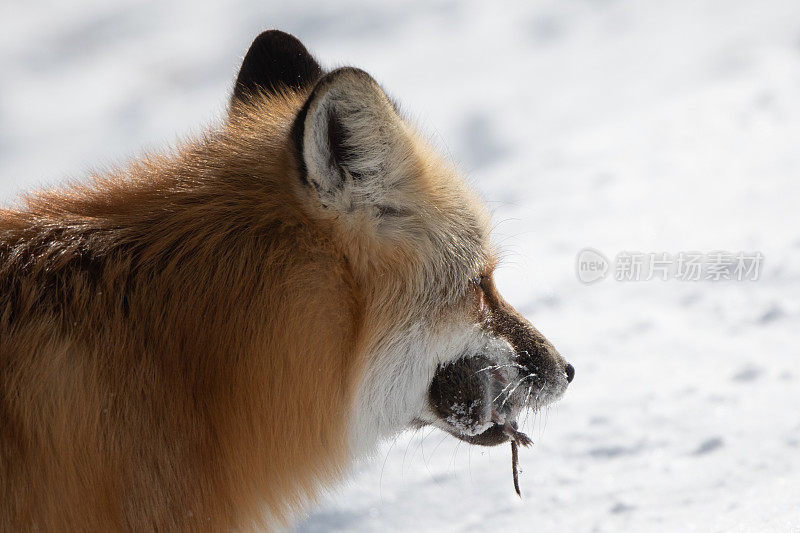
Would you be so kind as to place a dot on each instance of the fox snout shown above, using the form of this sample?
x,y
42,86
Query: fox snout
x,y
532,350
479,396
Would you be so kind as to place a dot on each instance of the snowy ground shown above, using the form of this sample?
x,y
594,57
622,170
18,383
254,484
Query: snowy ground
x,y
620,125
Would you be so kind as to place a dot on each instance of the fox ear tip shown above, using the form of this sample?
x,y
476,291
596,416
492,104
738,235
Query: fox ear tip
x,y
276,60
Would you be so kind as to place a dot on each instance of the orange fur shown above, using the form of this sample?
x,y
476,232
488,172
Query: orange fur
x,y
178,342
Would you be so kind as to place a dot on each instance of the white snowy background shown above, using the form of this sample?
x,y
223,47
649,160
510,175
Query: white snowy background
x,y
620,125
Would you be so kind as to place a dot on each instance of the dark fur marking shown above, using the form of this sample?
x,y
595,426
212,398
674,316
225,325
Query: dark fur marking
x,y
339,153
531,346
335,137
387,211
26,290
275,61
296,135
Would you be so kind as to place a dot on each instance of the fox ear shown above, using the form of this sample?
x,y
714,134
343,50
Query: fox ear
x,y
354,149
275,61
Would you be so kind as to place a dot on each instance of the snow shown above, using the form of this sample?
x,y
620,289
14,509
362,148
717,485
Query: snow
x,y
616,125
463,418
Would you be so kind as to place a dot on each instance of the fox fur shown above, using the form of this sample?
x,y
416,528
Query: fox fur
x,y
206,338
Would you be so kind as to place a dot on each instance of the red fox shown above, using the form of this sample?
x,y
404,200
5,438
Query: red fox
x,y
209,337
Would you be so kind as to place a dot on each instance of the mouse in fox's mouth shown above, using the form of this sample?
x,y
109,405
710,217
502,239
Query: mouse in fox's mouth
x,y
479,400
510,367
472,397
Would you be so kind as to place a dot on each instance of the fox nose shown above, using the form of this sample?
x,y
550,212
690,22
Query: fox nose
x,y
570,371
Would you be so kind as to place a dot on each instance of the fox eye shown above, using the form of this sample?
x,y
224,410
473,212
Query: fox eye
x,y
478,280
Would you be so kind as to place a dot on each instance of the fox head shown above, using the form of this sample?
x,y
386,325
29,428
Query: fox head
x,y
440,346
250,312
